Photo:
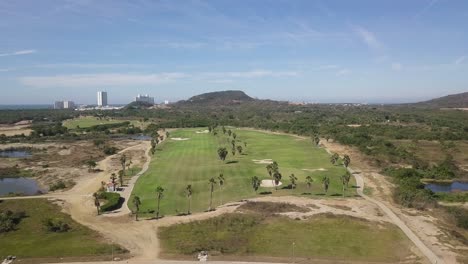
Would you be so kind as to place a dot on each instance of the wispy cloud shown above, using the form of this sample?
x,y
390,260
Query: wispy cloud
x,y
343,72
19,52
131,79
396,66
368,38
425,9
460,60
5,69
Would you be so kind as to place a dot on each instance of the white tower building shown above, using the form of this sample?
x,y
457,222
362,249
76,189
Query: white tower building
x,y
102,98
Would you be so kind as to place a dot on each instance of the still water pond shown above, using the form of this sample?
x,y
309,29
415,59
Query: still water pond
x,y
25,186
448,187
15,154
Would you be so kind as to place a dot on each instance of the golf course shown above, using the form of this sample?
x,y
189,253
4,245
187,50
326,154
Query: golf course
x,y
189,157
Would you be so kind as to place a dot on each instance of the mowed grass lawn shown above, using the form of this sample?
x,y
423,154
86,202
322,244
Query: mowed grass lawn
x,y
194,161
32,240
318,237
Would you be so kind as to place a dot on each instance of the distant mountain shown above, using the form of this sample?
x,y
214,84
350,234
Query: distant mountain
x,y
218,98
450,101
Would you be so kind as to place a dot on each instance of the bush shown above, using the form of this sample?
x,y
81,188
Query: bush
x,y
56,225
110,150
460,214
9,220
57,186
113,201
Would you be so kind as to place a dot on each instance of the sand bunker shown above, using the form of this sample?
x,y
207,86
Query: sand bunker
x,y
263,161
180,139
269,183
312,170
202,132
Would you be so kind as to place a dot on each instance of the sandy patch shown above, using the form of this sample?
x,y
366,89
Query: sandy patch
x,y
354,125
13,130
180,139
312,170
202,132
64,152
269,183
263,161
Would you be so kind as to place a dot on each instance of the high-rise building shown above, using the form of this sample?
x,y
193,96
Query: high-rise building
x,y
68,105
58,105
144,99
102,98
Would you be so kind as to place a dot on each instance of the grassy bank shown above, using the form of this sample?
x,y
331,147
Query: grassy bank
x,y
194,161
31,239
321,237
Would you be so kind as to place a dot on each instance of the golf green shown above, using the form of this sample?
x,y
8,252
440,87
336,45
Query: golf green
x,y
188,157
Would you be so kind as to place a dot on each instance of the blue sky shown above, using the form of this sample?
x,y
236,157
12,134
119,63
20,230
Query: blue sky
x,y
316,51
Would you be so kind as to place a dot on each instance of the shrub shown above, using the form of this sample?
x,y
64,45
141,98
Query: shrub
x,y
9,220
57,186
460,214
108,150
56,225
113,201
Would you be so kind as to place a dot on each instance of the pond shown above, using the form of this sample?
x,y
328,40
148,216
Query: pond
x,y
447,187
140,137
22,185
15,154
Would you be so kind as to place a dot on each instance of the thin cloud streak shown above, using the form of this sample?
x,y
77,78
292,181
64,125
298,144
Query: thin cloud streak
x,y
128,79
368,38
460,60
19,52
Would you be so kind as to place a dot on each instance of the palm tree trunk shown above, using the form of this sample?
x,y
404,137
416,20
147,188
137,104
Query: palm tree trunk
x,y
136,215
189,201
97,208
157,212
211,197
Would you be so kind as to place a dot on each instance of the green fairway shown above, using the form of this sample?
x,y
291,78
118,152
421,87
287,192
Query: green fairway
x,y
194,161
322,237
31,239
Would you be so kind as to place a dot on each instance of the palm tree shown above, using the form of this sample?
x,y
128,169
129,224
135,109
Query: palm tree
x,y
212,182
224,130
221,182
129,163
234,135
189,192
239,149
123,162
293,180
233,151
229,132
343,182
121,177
233,143
160,195
334,158
316,140
255,183
326,183
113,178
222,153
136,202
269,168
168,134
277,176
245,144
97,203
346,160
309,181
347,178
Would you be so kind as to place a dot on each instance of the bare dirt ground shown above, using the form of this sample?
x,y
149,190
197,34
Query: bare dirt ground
x,y
16,129
425,226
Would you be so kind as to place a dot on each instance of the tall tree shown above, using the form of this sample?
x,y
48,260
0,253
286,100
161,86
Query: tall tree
x,y
234,135
239,149
129,163
97,203
121,177
222,153
326,183
229,132
168,134
233,143
212,183
309,181
189,192
277,176
221,182
343,182
224,129
159,196
334,158
136,202
293,180
123,162
233,151
316,140
113,177
347,178
255,183
346,160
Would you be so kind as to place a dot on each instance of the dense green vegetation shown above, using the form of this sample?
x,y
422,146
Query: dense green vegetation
x,y
37,234
323,236
113,201
195,160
